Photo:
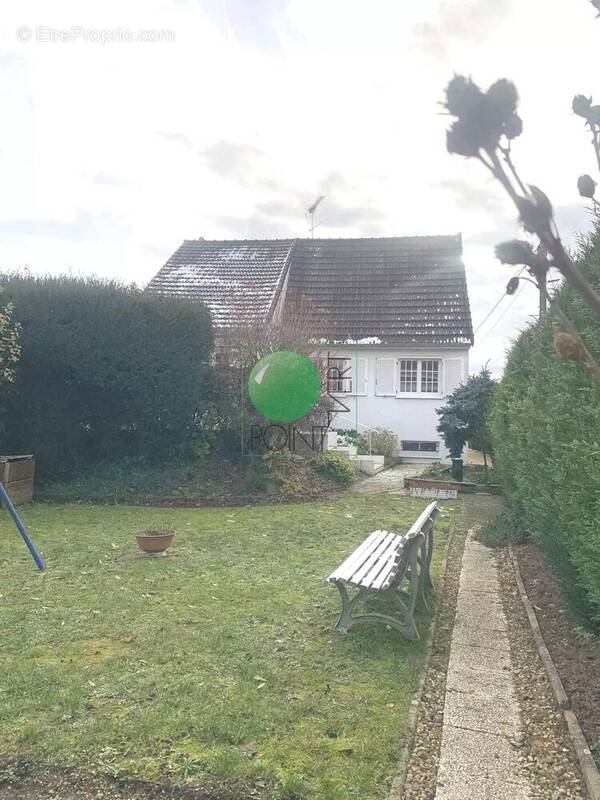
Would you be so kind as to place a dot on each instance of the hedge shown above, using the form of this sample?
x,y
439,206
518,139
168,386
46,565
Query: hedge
x,y
106,372
545,425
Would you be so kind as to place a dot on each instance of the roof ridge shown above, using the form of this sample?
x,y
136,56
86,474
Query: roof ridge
x,y
290,239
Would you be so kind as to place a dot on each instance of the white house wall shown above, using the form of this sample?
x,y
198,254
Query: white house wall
x,y
411,418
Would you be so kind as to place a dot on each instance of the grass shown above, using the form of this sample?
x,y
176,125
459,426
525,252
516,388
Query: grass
x,y
216,663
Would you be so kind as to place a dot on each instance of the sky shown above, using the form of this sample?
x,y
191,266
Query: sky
x,y
128,127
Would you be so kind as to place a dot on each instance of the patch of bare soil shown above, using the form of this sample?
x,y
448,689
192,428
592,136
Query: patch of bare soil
x,y
27,781
546,748
574,650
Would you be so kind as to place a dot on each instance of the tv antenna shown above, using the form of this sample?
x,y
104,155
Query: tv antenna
x,y
311,211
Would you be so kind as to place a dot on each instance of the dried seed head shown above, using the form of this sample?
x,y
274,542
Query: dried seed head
x,y
593,116
586,186
515,252
581,105
514,127
460,139
512,285
568,347
462,96
501,102
596,4
535,212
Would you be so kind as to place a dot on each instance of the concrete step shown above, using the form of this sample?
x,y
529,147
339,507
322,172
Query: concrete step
x,y
368,464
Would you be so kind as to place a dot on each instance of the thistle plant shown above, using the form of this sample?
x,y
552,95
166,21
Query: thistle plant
x,y
485,126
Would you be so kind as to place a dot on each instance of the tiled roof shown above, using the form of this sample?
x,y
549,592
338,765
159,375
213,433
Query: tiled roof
x,y
394,290
233,279
399,290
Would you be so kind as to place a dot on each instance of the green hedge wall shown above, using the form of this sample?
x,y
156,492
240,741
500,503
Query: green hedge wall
x,y
545,425
106,372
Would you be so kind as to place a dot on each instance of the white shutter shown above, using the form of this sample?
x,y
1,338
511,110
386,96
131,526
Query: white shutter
x,y
360,366
385,385
453,374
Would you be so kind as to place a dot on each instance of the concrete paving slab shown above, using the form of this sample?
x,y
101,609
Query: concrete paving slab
x,y
474,681
479,658
501,708
490,619
481,586
480,637
481,790
473,604
482,756
497,719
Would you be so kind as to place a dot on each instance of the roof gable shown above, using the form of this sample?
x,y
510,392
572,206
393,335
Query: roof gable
x,y
234,279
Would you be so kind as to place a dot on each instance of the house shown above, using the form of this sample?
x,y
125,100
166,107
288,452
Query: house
x,y
391,315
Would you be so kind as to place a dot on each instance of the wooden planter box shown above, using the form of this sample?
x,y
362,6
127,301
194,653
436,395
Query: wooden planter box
x,y
17,473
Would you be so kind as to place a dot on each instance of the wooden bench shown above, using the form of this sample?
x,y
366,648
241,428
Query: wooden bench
x,y
380,566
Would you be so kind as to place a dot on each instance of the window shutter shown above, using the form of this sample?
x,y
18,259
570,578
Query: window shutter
x,y
386,377
360,384
453,374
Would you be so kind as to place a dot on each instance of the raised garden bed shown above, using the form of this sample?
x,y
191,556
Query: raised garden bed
x,y
462,487
575,650
17,474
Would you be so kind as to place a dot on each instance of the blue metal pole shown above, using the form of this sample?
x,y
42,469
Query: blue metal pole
x,y
21,528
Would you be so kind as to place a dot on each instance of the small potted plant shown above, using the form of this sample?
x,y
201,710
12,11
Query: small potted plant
x,y
155,540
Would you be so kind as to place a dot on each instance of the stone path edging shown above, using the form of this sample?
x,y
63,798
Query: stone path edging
x,y
397,787
586,760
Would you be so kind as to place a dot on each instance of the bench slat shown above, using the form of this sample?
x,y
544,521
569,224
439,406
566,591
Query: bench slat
x,y
384,565
415,528
349,566
385,578
368,565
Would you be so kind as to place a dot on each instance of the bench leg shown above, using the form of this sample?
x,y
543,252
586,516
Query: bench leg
x,y
346,618
404,623
429,550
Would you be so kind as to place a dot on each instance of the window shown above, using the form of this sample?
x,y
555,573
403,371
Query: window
x,y
419,376
408,376
339,376
430,377
420,447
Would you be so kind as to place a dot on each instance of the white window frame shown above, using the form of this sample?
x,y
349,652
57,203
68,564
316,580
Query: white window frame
x,y
352,379
419,393
344,380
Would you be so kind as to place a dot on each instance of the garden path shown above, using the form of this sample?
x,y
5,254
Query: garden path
x,y
389,480
481,730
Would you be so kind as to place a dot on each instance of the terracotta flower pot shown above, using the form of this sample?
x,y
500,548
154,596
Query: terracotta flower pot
x,y
155,542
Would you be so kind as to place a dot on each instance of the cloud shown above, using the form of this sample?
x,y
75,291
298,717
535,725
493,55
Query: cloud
x,y
232,160
179,138
107,179
86,227
366,217
458,23
255,226
471,197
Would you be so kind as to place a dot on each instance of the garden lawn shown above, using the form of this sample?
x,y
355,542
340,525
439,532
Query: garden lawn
x,y
216,664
